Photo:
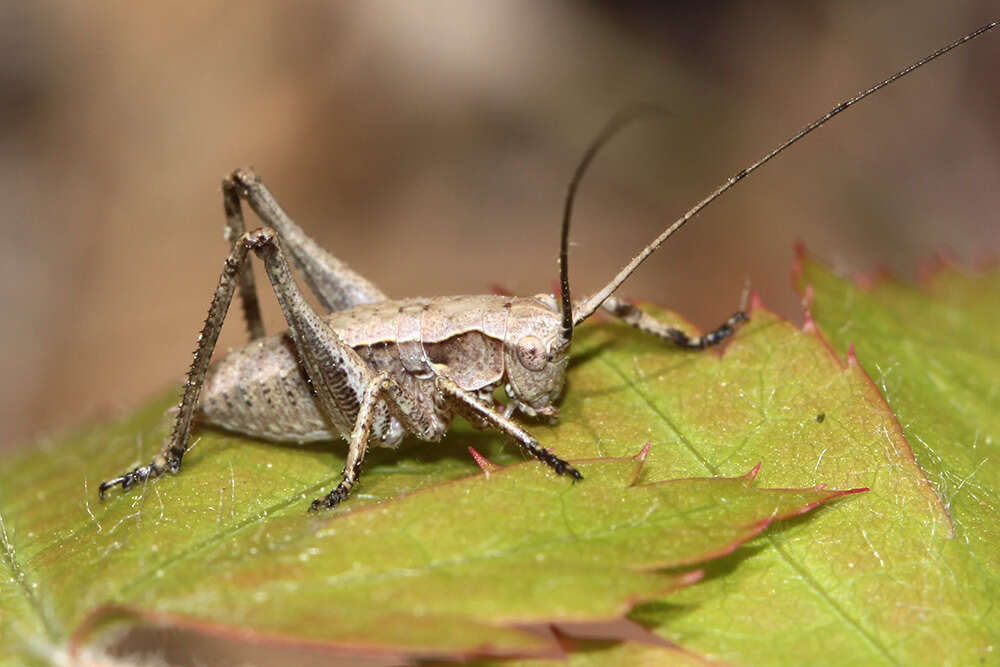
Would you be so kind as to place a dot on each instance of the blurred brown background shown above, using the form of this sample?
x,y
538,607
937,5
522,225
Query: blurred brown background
x,y
429,144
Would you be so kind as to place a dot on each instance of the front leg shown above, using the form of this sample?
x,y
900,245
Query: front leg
x,y
468,405
384,387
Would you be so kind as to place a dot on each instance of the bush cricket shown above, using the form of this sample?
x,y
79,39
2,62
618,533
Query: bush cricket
x,y
373,369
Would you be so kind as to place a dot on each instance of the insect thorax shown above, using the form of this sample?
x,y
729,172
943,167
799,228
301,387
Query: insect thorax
x,y
477,341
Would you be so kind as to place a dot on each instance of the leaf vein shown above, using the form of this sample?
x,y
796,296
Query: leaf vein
x,y
20,577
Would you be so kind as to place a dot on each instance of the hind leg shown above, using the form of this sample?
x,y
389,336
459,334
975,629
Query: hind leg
x,y
334,283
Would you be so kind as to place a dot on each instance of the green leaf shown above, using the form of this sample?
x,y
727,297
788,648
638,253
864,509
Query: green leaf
x,y
851,582
227,546
935,353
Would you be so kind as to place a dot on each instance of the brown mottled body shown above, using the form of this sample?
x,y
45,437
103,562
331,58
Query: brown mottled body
x,y
262,391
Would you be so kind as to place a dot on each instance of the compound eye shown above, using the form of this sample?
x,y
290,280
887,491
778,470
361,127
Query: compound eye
x,y
531,353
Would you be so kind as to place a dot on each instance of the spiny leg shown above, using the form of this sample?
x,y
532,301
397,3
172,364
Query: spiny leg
x,y
335,284
358,444
467,404
401,405
632,316
235,228
335,370
174,448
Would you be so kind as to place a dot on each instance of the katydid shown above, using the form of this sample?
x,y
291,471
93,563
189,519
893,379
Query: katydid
x,y
374,369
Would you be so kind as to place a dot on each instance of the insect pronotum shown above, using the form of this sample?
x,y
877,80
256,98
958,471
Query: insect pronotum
x,y
374,369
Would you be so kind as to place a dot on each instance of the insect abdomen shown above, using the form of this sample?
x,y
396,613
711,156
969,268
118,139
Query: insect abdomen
x,y
262,391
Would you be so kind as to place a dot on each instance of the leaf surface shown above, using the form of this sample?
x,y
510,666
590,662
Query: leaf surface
x,y
935,354
839,584
226,545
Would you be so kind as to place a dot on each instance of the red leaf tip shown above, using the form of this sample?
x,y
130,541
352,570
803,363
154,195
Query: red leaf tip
x,y
800,257
752,475
692,577
846,492
867,281
643,453
852,357
755,301
484,463
808,324
640,460
807,297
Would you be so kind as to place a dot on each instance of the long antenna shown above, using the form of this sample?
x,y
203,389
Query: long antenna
x,y
588,307
617,123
